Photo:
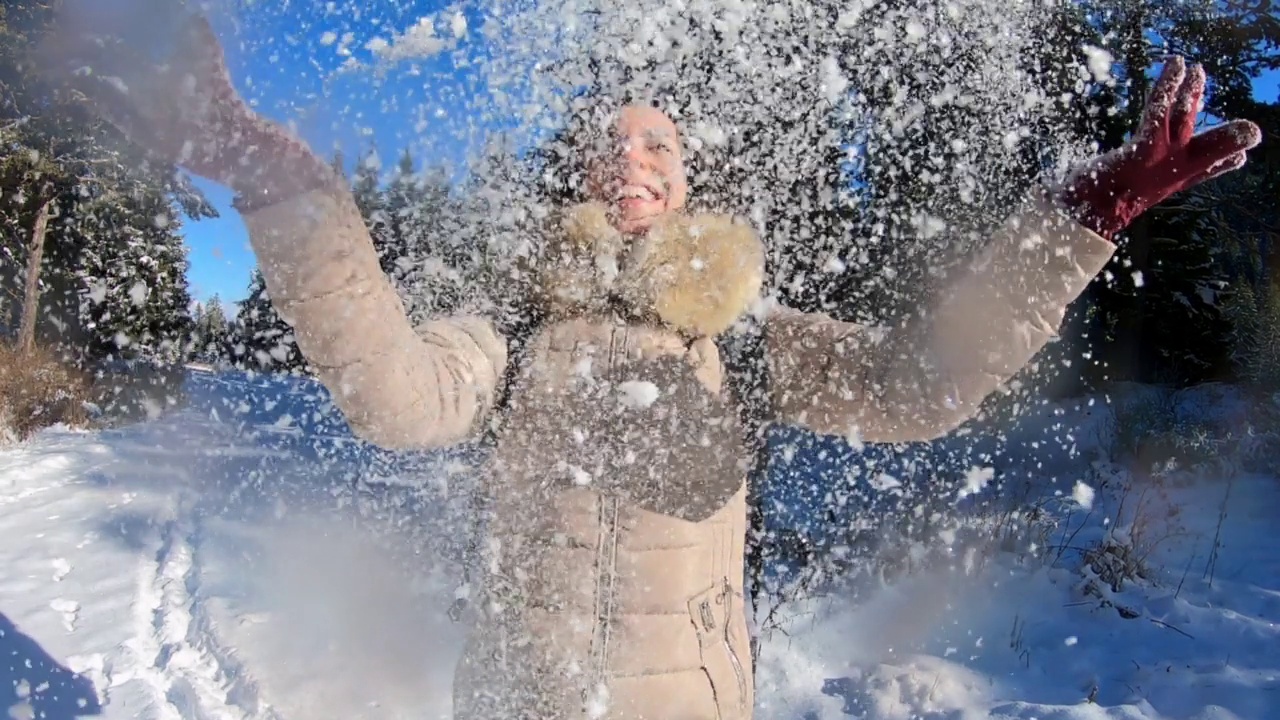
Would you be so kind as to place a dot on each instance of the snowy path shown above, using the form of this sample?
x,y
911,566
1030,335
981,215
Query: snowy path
x,y
164,561
178,570
103,574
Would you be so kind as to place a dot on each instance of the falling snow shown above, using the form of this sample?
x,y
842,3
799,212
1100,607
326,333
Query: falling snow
x,y
638,393
247,557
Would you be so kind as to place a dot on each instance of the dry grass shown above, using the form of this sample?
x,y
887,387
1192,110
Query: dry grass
x,y
37,391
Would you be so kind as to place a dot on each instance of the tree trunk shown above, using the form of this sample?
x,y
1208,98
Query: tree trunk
x,y
31,294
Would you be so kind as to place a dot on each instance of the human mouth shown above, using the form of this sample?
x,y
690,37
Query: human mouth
x,y
636,200
638,192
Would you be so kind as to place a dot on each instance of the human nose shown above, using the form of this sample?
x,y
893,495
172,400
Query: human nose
x,y
632,154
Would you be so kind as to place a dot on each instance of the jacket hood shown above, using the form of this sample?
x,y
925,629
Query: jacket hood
x,y
694,272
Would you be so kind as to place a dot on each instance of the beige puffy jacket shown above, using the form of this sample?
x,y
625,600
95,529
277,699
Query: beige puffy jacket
x,y
614,555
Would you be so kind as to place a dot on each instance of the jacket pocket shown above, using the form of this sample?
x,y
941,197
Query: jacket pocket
x,y
712,612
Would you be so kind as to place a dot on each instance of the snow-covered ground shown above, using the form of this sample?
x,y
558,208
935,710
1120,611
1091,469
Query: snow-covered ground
x,y
222,562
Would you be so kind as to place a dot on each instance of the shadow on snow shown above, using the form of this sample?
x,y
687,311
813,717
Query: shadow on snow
x,y
31,677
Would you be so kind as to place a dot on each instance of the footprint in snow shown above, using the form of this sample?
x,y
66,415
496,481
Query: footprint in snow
x,y
69,609
61,568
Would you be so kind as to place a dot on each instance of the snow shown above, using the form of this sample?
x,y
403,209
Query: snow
x,y
638,394
214,563
1010,641
1100,61
1083,494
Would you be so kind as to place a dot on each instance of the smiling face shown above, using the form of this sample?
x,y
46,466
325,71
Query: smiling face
x,y
639,173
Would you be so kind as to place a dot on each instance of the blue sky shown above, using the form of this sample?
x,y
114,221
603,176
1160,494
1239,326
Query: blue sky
x,y
284,55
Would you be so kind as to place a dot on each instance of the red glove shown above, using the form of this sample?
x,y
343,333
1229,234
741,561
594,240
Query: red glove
x,y
1164,158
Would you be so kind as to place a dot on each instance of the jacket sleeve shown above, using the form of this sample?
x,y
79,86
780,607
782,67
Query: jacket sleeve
x,y
921,380
398,387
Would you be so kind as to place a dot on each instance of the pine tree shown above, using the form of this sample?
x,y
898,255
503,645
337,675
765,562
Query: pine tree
x,y
366,189
423,234
259,339
133,265
210,332
402,218
435,273
86,216
1160,319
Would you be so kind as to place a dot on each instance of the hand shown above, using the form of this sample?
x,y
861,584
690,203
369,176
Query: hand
x,y
186,111
1164,158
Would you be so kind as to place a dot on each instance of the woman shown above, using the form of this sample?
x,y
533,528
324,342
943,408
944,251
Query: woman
x,y
614,553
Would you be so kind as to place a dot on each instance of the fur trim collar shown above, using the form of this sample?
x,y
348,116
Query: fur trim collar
x,y
695,273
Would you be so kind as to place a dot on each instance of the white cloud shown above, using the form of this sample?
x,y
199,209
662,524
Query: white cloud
x,y
419,41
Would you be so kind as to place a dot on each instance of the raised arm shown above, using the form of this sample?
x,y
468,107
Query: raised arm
x,y
921,380
398,387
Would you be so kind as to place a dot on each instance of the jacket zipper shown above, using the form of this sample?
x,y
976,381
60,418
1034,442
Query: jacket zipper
x,y
607,553
606,577
728,646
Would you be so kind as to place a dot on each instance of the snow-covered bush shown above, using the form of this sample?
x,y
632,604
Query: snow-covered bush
x,y
37,391
1210,428
1165,441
